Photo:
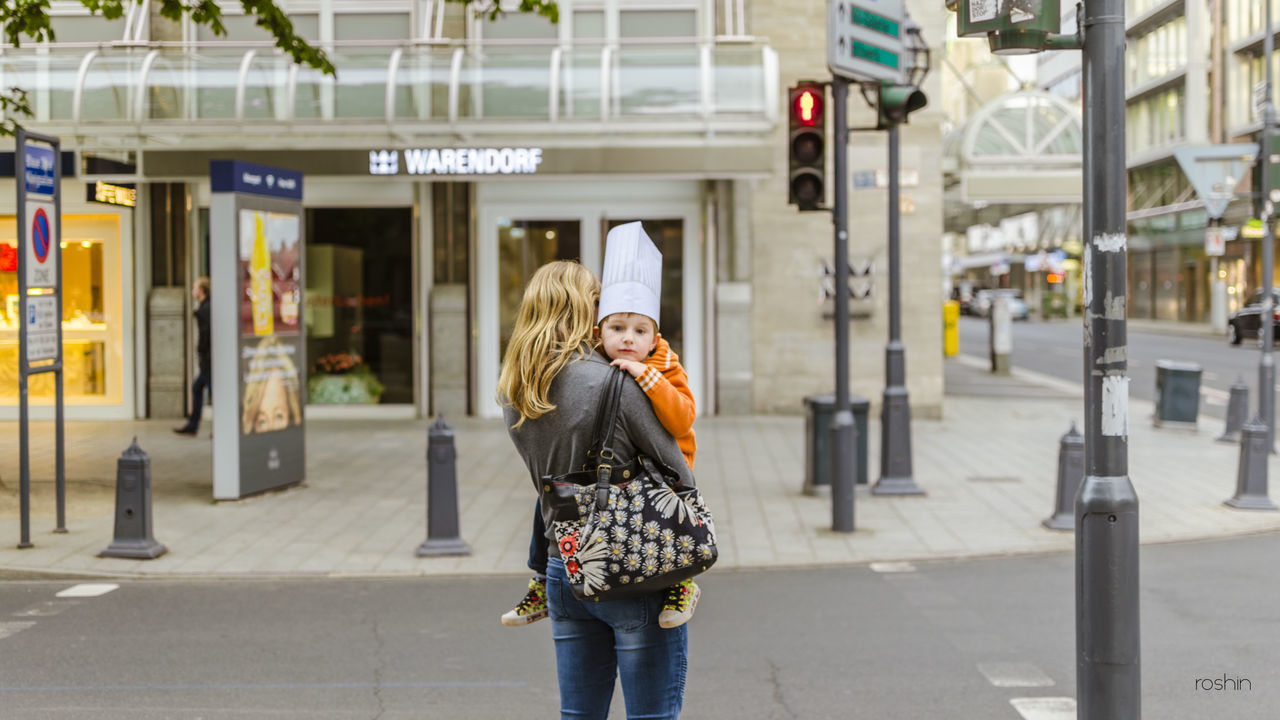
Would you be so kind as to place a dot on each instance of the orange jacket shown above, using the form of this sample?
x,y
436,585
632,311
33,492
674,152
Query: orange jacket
x,y
665,382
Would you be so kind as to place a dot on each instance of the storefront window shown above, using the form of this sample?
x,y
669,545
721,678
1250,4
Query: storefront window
x,y
92,344
359,305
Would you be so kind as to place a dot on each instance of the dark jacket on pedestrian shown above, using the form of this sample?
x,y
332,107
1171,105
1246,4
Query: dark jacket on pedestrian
x,y
557,442
203,344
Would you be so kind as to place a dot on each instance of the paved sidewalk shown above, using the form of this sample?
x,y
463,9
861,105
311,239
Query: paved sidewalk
x,y
988,467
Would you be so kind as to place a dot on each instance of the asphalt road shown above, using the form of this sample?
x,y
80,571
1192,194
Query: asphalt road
x,y
1057,348
944,641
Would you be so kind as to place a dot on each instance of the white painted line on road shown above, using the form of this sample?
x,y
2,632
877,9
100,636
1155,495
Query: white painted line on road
x,y
9,629
892,567
49,608
1014,674
88,590
1214,396
1045,708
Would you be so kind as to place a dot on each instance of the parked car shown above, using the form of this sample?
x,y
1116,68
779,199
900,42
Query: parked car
x,y
1246,322
1017,306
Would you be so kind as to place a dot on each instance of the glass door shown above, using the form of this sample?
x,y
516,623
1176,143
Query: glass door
x,y
523,247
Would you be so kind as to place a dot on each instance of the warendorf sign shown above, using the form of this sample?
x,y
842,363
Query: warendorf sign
x,y
456,161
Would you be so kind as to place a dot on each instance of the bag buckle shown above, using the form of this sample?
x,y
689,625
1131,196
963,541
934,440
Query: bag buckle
x,y
603,474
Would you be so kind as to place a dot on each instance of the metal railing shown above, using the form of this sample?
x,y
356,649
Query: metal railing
x,y
178,85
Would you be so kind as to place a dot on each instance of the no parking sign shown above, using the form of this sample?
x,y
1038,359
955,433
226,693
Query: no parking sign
x,y
41,225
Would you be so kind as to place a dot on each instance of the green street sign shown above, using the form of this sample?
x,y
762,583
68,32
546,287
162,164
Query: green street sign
x,y
864,40
1026,17
879,23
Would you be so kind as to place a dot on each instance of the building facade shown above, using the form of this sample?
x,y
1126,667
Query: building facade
x,y
452,156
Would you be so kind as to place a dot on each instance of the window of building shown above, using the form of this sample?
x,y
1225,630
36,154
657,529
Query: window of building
x,y
92,340
86,28
244,28
360,302
371,26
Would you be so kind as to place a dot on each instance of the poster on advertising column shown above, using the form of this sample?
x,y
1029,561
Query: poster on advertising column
x,y
270,343
257,277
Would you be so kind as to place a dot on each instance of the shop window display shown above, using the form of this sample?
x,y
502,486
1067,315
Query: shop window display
x,y
92,345
359,301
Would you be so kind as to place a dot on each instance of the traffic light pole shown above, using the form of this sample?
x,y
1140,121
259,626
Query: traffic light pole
x,y
1267,364
842,427
1108,677
896,476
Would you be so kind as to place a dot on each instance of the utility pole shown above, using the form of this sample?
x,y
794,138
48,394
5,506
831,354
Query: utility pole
x,y
896,476
1266,365
1108,676
842,428
1108,680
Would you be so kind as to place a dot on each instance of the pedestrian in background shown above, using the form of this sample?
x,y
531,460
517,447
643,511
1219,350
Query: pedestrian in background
x,y
204,377
550,387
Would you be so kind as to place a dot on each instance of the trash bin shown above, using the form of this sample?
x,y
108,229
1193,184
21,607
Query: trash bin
x,y
1177,394
817,441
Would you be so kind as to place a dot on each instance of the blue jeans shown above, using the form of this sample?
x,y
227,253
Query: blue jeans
x,y
597,642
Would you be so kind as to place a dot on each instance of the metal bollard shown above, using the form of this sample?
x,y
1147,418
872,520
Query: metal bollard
x,y
1251,476
1070,474
443,537
133,538
1000,339
1237,411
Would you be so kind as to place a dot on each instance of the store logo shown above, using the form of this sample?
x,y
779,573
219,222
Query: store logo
x,y
384,162
457,161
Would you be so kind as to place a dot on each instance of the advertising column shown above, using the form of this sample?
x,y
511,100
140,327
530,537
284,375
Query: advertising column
x,y
38,179
256,273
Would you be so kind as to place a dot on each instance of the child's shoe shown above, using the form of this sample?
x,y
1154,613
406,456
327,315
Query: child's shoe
x,y
531,609
681,599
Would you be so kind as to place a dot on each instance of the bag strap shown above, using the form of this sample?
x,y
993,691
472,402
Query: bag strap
x,y
606,421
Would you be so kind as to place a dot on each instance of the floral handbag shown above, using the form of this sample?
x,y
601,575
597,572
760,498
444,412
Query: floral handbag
x,y
627,529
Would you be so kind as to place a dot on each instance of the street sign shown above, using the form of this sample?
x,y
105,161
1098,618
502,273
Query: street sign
x,y
1215,241
864,40
41,317
979,17
1260,93
1215,170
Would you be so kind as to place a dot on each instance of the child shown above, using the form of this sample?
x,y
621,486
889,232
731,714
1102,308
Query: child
x,y
628,334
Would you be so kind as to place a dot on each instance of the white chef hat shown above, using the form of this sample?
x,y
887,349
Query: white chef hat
x,y
632,277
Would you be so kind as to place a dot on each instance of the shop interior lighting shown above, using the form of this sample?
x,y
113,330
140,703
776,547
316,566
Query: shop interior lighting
x,y
551,234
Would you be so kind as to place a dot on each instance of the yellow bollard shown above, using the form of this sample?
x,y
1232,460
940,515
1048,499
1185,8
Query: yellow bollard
x,y
950,328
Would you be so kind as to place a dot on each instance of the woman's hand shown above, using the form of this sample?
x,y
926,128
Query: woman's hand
x,y
635,368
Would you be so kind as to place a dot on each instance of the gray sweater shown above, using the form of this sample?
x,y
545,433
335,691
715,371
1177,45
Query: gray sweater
x,y
557,442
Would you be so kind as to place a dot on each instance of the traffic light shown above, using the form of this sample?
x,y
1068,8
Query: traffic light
x,y
807,145
895,103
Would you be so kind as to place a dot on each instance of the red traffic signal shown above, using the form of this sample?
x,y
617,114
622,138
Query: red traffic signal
x,y
806,146
807,105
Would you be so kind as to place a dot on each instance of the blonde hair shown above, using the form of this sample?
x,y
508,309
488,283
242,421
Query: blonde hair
x,y
556,318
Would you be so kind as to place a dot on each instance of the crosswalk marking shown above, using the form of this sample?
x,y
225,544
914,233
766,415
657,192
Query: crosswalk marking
x,y
892,567
48,608
9,629
1045,708
1014,674
88,590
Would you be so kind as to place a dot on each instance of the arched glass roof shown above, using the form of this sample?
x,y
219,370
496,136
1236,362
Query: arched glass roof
x,y
1026,128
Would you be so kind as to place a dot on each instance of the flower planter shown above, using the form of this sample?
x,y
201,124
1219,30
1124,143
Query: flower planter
x,y
345,389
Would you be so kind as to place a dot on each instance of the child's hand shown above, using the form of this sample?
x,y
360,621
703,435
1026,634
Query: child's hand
x,y
635,368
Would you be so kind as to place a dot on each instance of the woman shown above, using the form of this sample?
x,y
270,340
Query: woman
x,y
549,387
